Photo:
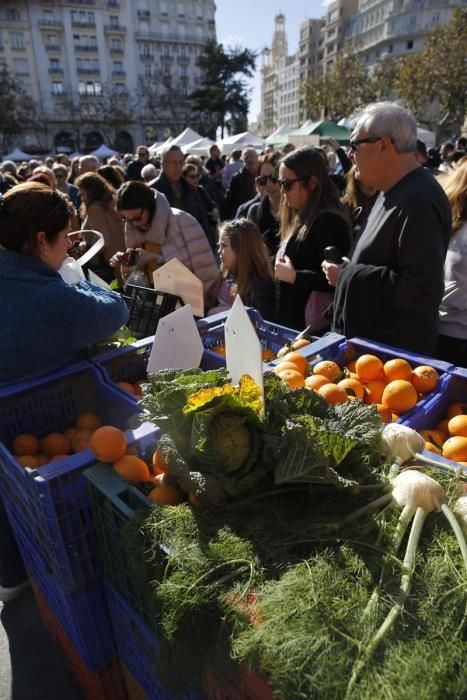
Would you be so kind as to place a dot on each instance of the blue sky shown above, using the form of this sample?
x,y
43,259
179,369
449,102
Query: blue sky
x,y
250,23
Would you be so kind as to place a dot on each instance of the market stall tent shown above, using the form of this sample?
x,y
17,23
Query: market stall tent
x,y
104,152
199,148
428,137
160,146
279,137
17,155
243,140
187,136
323,129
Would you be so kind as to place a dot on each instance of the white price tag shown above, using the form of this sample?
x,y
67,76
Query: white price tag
x,y
242,346
177,343
175,278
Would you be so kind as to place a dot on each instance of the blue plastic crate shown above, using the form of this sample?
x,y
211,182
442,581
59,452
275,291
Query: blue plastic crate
x,y
136,645
51,501
82,613
349,350
114,503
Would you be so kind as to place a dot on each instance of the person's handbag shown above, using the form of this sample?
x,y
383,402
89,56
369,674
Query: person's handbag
x,y
318,302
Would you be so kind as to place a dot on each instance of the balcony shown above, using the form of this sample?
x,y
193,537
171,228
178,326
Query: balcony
x,y
144,14
86,48
88,71
53,47
83,23
154,36
167,59
113,4
116,51
115,28
183,60
118,74
51,23
17,48
146,57
56,70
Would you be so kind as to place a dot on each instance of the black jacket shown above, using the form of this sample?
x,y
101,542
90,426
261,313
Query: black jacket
x,y
241,189
260,213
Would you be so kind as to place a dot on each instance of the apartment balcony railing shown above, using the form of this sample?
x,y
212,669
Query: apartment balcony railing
x,y
116,51
86,48
118,74
88,71
167,59
142,14
146,57
113,4
155,36
53,47
83,23
56,71
51,23
18,48
183,60
115,28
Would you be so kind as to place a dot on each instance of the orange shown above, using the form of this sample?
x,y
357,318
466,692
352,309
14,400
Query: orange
x,y
42,459
458,426
384,412
88,421
397,369
434,436
164,494
328,369
138,386
81,440
399,395
456,409
442,427
333,394
292,377
132,468
395,417
299,360
126,386
314,381
159,462
424,379
25,444
351,366
55,444
432,448
352,387
267,355
219,349
368,367
456,449
70,433
57,458
296,345
30,461
374,391
284,365
108,443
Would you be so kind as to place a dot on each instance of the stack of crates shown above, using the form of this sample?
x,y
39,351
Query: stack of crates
x,y
51,519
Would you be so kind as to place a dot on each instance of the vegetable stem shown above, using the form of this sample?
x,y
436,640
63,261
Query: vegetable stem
x,y
369,508
454,523
393,614
443,467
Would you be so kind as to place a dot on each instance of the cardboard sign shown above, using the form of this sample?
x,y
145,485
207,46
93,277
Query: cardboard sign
x,y
175,278
242,346
98,281
177,343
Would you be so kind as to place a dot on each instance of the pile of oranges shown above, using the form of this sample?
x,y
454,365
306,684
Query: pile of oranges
x,y
393,386
449,436
134,388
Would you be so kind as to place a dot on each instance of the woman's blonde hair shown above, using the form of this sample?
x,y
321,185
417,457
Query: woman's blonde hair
x,y
454,183
306,162
252,256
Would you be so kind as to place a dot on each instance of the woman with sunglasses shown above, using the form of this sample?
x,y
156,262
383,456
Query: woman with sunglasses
x,y
265,213
163,233
192,174
46,323
312,218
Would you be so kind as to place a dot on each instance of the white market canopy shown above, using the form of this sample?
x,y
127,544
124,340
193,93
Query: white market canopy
x,y
18,155
104,152
159,147
187,136
279,135
428,137
199,148
243,140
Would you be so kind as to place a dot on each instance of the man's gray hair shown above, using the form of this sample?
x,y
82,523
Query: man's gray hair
x,y
247,150
89,161
388,119
149,172
170,149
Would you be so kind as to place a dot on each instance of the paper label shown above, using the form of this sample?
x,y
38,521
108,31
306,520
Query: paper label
x,y
177,343
175,278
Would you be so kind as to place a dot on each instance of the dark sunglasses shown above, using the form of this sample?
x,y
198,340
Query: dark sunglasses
x,y
263,179
287,185
371,139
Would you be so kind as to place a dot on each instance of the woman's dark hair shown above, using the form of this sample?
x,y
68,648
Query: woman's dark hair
x,y
136,195
96,187
113,175
307,162
27,209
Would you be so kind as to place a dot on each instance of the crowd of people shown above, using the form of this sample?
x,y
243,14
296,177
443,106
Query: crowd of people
x,y
369,241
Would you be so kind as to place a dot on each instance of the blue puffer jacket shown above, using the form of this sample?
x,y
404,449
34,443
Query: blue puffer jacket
x,y
45,323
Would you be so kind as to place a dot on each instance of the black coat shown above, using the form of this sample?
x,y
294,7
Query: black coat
x,y
392,288
260,213
328,229
241,189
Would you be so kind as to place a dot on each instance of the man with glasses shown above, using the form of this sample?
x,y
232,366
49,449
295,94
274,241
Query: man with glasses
x,y
134,169
391,289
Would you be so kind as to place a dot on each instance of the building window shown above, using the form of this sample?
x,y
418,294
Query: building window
x,y
435,18
113,21
118,67
181,9
54,65
16,40
116,44
390,48
57,87
163,6
21,66
147,70
409,45
12,15
120,88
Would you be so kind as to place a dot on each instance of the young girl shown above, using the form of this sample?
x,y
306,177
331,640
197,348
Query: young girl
x,y
245,269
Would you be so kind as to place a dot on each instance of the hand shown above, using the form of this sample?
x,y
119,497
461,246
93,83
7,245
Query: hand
x,y
332,271
284,270
116,259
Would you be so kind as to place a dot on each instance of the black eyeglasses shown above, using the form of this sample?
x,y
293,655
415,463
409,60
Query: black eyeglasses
x,y
370,139
135,219
263,179
287,185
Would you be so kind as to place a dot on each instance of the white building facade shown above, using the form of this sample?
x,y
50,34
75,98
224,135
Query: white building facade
x,y
139,54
